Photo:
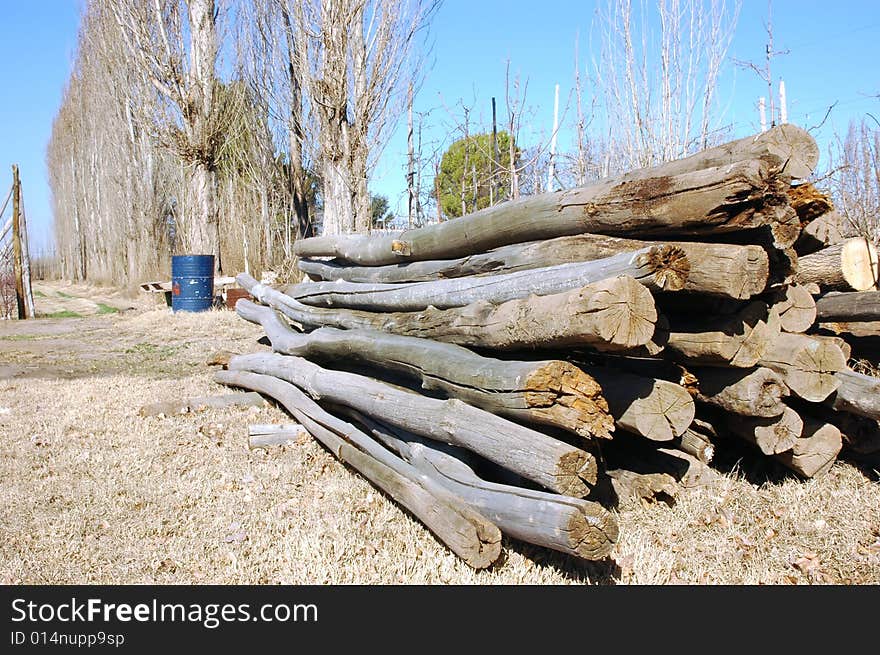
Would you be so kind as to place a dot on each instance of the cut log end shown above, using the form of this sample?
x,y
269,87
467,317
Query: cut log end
x,y
625,311
858,263
560,393
666,413
576,470
592,532
669,266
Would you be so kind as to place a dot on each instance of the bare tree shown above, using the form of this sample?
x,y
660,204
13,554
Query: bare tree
x,y
855,179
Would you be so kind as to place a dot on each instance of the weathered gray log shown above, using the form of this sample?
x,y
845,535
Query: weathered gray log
x,y
547,392
660,267
718,200
655,409
848,307
739,340
860,435
200,403
772,435
262,436
717,269
534,455
575,526
749,392
849,266
615,314
820,233
815,450
807,365
470,535
796,308
856,393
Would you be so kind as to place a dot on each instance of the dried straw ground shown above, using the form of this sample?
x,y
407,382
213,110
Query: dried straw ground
x,y
91,492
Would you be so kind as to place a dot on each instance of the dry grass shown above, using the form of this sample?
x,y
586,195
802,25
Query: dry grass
x,y
91,492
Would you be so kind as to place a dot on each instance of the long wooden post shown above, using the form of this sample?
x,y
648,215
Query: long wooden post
x,y
16,243
30,310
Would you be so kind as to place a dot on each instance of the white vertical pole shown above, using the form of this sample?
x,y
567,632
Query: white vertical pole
x,y
763,112
553,141
783,109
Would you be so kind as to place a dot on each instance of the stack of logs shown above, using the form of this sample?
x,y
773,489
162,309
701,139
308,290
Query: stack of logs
x,y
511,370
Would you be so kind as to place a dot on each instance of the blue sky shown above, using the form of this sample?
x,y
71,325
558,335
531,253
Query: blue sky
x,y
834,50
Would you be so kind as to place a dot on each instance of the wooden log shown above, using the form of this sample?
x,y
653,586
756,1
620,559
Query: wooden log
x,y
544,460
772,435
655,409
808,202
546,392
860,435
838,341
199,403
748,392
740,340
820,233
697,442
795,306
850,266
615,314
578,527
659,267
467,533
262,436
736,271
848,307
645,488
718,200
856,393
815,450
807,365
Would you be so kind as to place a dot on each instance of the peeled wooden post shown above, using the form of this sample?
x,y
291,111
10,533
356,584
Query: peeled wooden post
x,y
611,315
537,457
660,267
715,200
850,266
748,392
736,271
772,435
807,365
548,392
578,527
470,535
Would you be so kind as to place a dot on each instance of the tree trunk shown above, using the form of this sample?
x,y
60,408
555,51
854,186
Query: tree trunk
x,y
806,365
717,269
467,533
850,266
611,315
857,393
659,267
542,459
548,392
848,307
338,209
749,392
712,201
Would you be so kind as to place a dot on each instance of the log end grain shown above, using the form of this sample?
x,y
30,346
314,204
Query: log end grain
x,y
592,531
668,264
622,309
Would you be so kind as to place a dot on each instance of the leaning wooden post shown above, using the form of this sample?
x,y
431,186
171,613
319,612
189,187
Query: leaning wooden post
x,y
16,244
30,310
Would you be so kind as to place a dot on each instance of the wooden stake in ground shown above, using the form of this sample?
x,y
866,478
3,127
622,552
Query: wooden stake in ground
x,y
17,267
470,535
849,266
660,267
570,525
611,315
546,461
718,200
548,392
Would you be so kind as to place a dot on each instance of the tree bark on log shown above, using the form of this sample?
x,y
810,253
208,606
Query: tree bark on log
x,y
547,392
613,315
717,269
815,450
467,533
578,527
849,266
546,461
718,200
856,393
848,307
659,267
772,435
655,409
171,407
748,392
796,308
740,340
807,365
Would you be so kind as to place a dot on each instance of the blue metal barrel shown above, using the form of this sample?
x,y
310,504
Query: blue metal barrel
x,y
192,283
